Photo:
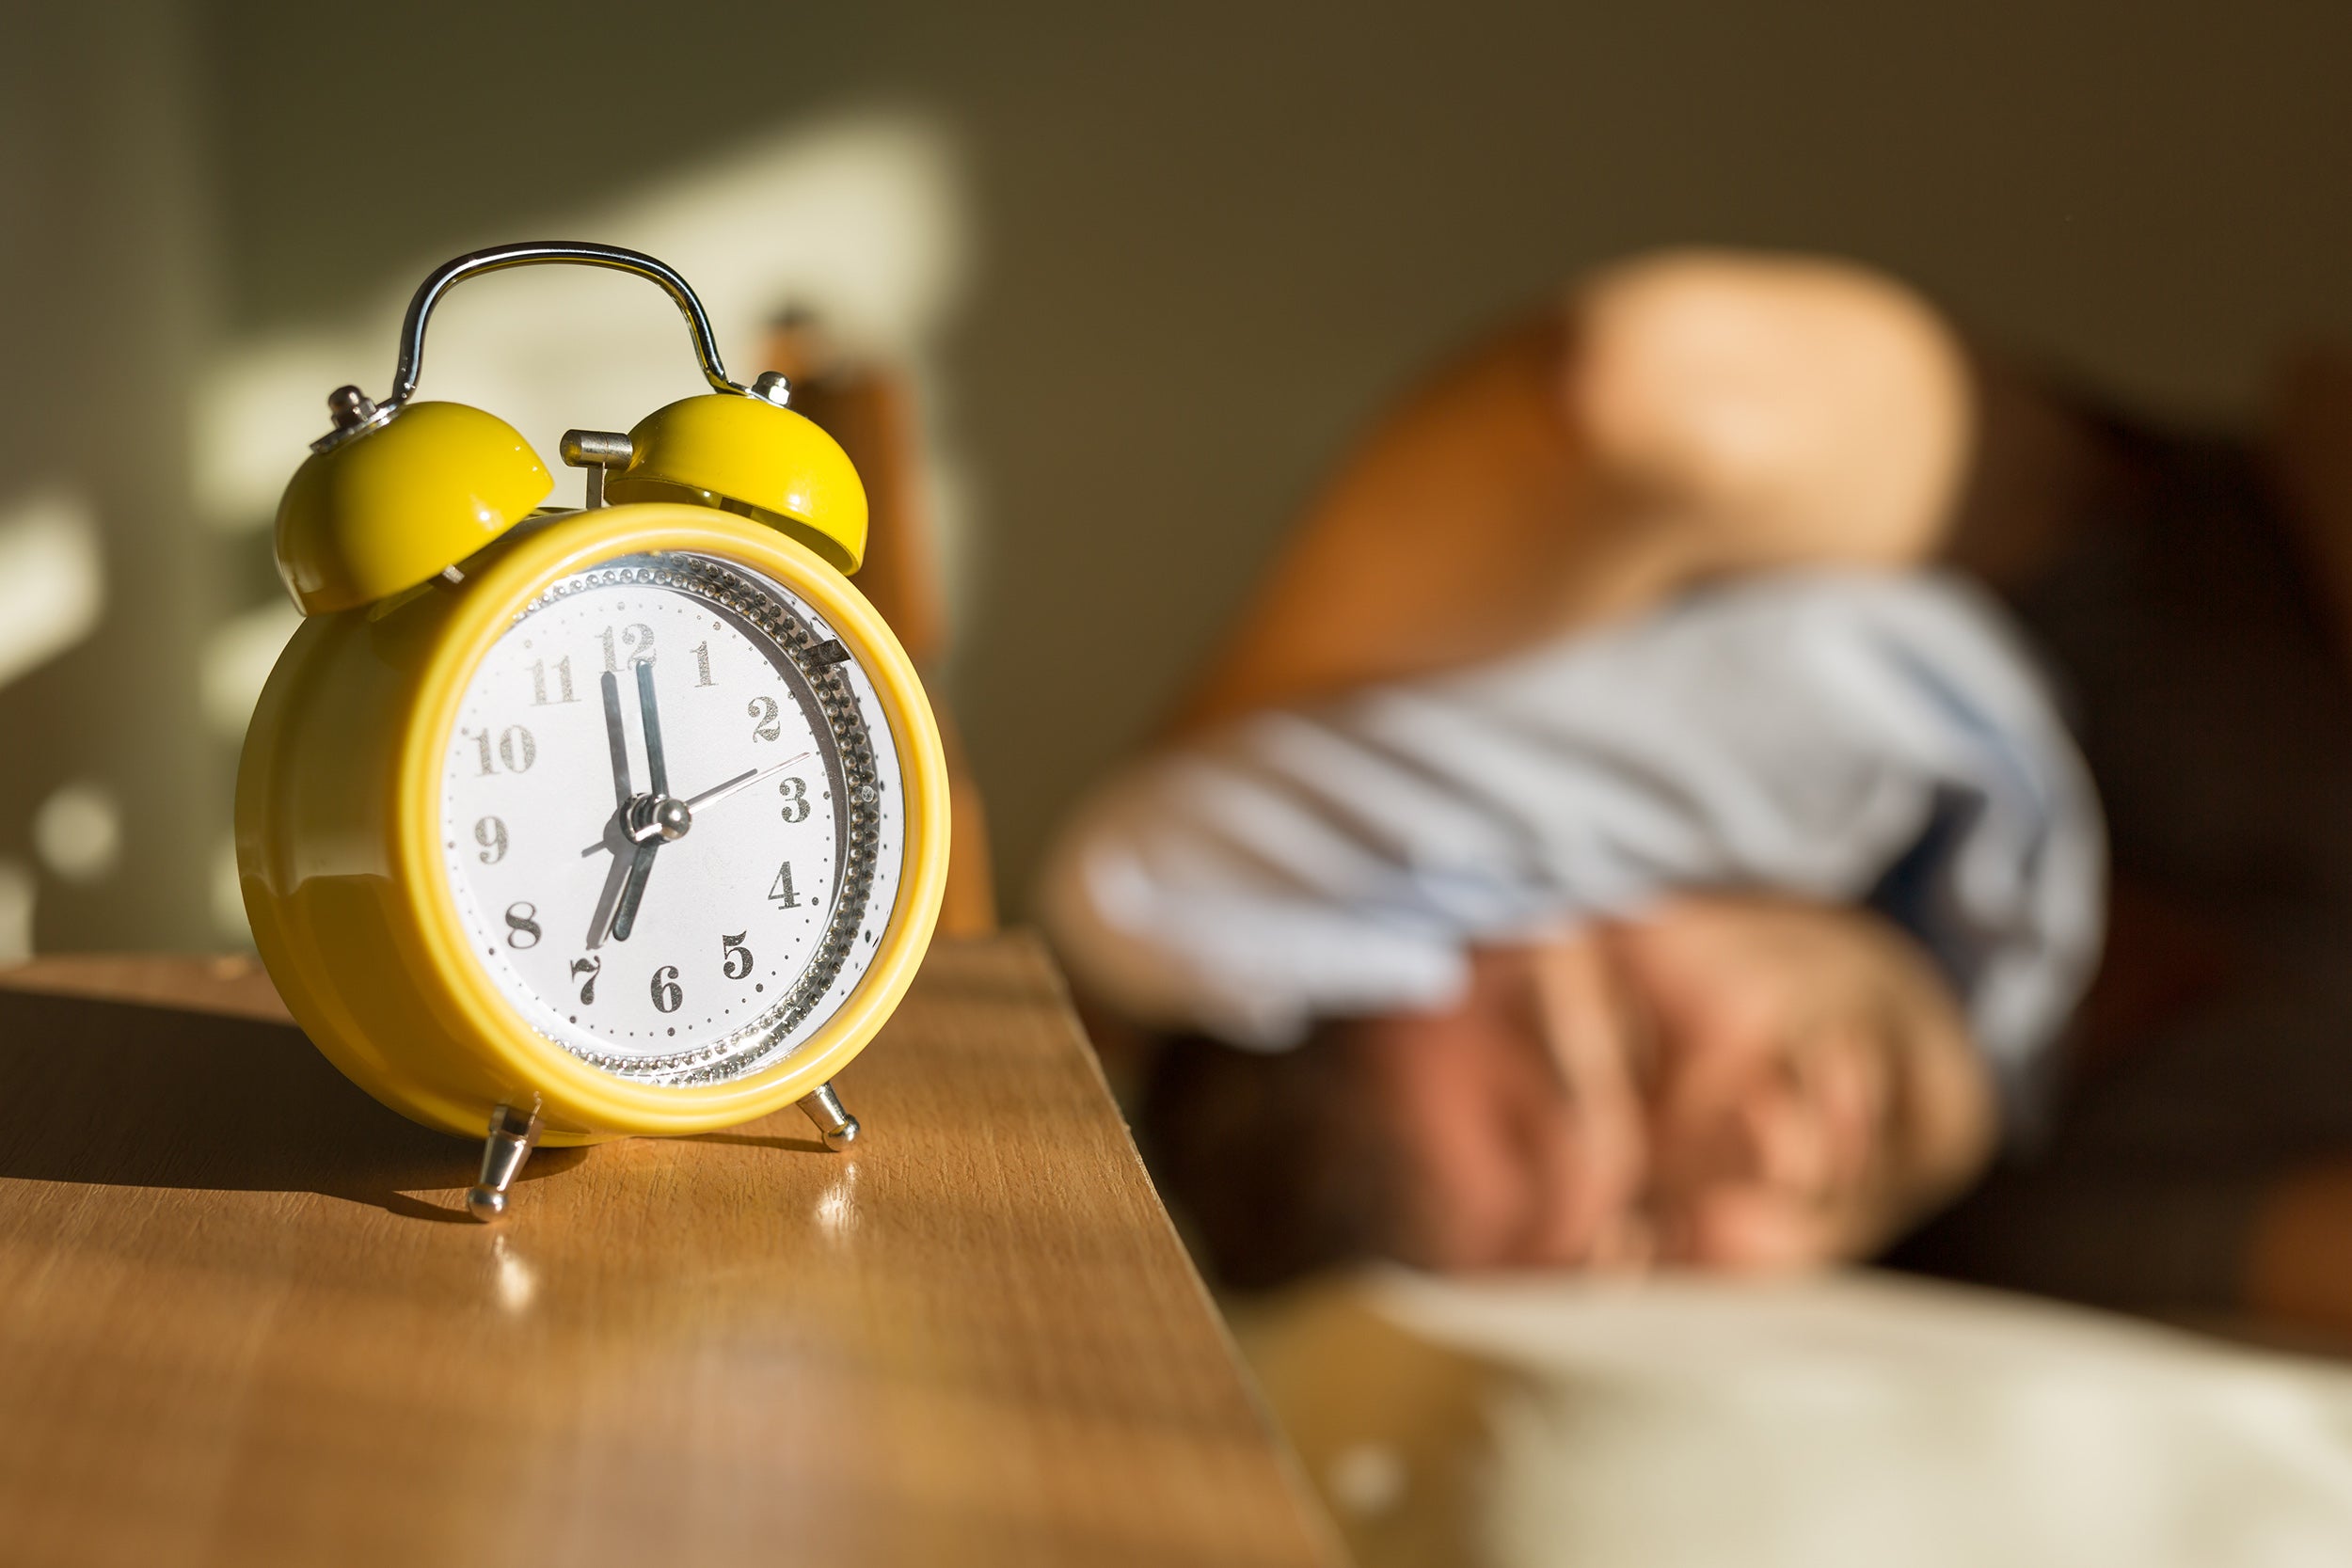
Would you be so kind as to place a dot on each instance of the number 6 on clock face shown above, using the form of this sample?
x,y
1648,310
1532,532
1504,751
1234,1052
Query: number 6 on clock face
x,y
699,941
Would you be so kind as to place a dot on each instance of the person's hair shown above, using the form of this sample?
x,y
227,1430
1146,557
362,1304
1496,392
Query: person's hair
x,y
1268,1157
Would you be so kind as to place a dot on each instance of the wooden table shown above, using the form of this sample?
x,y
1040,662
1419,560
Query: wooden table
x,y
243,1320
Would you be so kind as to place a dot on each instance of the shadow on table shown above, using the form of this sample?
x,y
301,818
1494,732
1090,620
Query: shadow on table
x,y
757,1140
119,1094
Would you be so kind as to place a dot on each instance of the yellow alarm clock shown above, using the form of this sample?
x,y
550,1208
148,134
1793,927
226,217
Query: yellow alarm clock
x,y
568,824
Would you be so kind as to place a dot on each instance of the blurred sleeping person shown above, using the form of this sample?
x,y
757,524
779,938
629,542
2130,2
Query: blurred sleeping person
x,y
1657,812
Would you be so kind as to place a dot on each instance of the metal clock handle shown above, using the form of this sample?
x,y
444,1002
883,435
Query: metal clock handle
x,y
532,253
354,411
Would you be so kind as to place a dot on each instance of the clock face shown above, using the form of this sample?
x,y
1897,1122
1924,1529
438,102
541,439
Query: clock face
x,y
671,815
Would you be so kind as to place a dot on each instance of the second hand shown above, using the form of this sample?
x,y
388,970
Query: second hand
x,y
711,797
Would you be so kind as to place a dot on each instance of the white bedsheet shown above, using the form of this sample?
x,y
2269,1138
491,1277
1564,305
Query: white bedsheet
x,y
1874,1420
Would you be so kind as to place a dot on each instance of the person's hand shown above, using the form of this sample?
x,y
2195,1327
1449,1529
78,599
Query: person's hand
x,y
1726,1082
1812,1084
1510,1124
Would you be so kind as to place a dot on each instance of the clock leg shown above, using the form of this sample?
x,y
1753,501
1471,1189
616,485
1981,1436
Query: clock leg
x,y
512,1134
834,1124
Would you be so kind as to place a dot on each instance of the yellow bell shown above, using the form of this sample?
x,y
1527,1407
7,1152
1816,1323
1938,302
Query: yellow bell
x,y
753,457
385,503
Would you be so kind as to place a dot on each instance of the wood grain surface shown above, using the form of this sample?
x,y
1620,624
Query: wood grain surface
x,y
244,1321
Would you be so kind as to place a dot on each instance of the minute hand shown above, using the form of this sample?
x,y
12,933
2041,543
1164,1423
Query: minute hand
x,y
657,769
694,803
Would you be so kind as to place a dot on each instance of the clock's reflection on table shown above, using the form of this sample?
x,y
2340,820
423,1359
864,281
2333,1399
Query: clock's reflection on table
x,y
242,1318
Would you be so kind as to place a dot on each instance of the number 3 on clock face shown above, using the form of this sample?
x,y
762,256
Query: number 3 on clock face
x,y
672,818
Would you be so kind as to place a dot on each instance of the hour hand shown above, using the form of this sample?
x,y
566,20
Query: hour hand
x,y
625,913
615,880
616,741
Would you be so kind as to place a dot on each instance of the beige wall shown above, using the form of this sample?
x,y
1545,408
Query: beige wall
x,y
1212,237
104,293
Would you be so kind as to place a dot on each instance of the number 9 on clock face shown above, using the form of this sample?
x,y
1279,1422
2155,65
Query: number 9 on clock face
x,y
672,819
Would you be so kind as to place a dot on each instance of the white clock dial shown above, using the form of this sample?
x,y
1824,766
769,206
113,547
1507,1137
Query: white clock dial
x,y
684,900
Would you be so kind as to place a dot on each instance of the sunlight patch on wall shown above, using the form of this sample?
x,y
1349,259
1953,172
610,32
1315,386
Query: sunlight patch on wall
x,y
16,912
52,579
228,894
235,662
254,416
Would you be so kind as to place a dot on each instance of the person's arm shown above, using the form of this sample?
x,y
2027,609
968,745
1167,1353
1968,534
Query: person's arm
x,y
1676,419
